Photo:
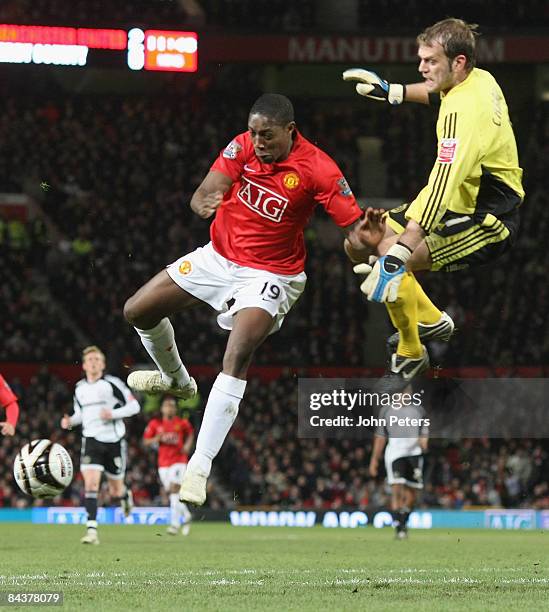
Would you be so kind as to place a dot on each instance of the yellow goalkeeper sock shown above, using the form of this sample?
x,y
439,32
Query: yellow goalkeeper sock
x,y
403,314
427,312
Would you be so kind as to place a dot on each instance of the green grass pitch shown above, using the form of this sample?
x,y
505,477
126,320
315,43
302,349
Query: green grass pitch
x,y
219,567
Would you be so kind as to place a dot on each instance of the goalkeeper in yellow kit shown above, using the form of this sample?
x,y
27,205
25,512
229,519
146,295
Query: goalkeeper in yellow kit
x,y
466,215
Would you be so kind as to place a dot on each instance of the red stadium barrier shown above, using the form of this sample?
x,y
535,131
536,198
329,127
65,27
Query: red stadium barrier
x,y
70,373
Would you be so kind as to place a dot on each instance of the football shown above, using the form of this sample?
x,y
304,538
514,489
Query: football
x,y
43,469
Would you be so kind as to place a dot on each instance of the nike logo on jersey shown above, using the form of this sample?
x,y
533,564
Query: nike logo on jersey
x,y
248,169
262,201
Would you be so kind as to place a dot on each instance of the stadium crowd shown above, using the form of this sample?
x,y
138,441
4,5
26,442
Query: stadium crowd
x,y
118,174
265,463
115,174
272,15
119,178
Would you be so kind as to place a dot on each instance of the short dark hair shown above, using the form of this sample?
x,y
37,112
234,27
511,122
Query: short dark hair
x,y
456,37
274,106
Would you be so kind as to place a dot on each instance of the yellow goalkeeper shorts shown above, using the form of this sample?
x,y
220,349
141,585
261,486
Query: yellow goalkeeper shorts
x,y
462,241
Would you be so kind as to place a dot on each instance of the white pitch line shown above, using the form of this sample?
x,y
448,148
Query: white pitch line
x,y
231,582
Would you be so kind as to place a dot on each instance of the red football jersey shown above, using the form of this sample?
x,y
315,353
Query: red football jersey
x,y
261,220
173,434
8,401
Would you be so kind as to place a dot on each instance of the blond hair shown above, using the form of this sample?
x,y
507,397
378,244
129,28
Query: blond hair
x,y
93,349
456,37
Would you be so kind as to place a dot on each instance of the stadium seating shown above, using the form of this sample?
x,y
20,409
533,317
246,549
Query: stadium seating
x,y
274,15
123,218
264,463
137,220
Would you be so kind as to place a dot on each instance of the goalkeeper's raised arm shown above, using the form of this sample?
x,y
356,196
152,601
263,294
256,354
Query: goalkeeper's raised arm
x,y
371,85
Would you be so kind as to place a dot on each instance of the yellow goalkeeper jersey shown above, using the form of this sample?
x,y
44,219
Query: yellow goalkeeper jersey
x,y
476,171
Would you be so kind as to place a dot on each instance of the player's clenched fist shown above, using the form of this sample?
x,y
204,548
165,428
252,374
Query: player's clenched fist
x,y
366,235
7,429
208,204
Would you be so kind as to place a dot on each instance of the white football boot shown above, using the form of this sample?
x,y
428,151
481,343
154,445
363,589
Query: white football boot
x,y
186,527
150,381
126,503
193,487
91,537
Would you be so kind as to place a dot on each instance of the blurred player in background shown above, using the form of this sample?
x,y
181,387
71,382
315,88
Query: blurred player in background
x,y
173,436
262,190
101,402
8,401
404,447
467,213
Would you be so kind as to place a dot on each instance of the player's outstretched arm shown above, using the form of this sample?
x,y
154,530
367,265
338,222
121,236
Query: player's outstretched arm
x,y
363,236
417,92
372,86
209,195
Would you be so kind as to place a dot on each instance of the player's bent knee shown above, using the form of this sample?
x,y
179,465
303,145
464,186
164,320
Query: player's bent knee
x,y
132,312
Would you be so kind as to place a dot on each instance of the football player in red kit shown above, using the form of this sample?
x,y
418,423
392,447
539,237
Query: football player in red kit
x,y
262,190
173,436
8,401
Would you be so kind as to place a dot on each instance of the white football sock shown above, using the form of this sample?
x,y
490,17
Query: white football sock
x,y
159,342
185,512
219,416
175,510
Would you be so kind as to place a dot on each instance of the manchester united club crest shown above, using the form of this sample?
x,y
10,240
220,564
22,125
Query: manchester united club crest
x,y
291,180
185,267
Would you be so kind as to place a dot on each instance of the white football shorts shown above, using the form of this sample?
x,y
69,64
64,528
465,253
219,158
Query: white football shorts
x,y
172,474
212,278
406,470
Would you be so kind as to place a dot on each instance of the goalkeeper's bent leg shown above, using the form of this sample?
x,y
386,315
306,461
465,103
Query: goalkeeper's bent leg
x,y
427,312
403,313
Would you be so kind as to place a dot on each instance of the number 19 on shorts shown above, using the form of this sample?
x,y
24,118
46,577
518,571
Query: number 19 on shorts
x,y
270,291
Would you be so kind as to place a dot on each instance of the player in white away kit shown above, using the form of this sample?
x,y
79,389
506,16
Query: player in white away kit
x,y
101,402
173,436
406,442
262,189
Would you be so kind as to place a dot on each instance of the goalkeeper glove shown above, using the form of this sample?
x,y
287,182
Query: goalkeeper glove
x,y
372,86
384,278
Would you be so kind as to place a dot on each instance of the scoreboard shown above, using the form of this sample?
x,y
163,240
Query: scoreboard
x,y
137,49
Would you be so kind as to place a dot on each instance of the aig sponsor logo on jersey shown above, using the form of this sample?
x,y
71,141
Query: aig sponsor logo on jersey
x,y
261,200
